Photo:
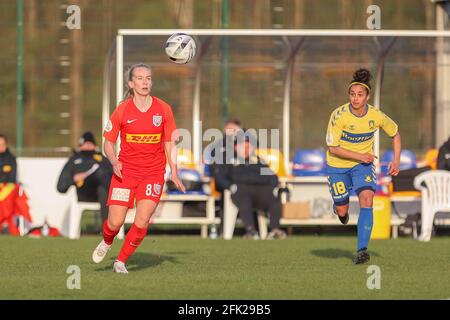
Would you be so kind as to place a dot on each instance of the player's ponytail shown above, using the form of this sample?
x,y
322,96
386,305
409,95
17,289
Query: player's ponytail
x,y
362,77
129,77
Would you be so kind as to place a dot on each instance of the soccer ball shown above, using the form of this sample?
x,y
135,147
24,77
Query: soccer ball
x,y
180,48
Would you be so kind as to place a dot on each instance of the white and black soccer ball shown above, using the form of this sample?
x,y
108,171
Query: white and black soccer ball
x,y
180,48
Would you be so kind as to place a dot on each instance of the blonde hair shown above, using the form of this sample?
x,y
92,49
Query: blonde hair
x,y
129,77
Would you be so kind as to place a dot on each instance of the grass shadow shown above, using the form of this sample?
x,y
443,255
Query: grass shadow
x,y
334,253
142,260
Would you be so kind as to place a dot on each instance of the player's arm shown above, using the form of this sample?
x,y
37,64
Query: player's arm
x,y
171,153
390,127
170,135
110,152
110,133
394,166
352,155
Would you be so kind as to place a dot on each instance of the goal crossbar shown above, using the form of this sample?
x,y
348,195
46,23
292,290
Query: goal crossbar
x,y
287,32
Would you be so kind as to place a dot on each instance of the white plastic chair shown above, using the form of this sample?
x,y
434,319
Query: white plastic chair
x,y
435,188
75,212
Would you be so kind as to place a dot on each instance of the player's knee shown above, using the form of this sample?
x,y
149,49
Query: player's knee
x,y
342,210
142,220
114,224
141,223
366,202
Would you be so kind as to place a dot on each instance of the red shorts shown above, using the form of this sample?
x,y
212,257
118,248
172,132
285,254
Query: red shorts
x,y
124,191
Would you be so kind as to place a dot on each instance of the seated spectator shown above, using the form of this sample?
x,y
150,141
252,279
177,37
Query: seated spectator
x,y
443,161
251,188
218,154
13,200
90,172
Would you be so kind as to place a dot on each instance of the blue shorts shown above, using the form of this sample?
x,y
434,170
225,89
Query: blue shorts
x,y
343,180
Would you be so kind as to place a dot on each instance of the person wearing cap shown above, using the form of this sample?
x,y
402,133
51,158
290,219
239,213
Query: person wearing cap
x,y
252,185
90,172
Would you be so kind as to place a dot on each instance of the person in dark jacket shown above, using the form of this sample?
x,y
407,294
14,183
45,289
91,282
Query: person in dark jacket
x,y
222,151
90,172
8,164
218,154
443,161
252,185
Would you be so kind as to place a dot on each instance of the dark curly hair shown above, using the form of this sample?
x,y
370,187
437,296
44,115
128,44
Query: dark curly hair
x,y
362,76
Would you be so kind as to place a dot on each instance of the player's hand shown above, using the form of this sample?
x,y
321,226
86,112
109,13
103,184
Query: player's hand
x,y
367,158
393,168
117,167
178,182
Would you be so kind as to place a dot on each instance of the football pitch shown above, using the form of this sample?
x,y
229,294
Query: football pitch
x,y
187,267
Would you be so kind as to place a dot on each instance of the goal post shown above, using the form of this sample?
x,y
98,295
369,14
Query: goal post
x,y
444,111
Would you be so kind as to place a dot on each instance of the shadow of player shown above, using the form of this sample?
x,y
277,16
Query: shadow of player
x,y
334,253
142,260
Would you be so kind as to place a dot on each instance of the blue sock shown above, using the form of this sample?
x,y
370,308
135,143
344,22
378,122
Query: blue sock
x,y
365,223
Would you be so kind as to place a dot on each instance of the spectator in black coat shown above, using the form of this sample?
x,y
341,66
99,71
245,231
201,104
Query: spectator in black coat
x,y
443,161
90,172
218,154
252,185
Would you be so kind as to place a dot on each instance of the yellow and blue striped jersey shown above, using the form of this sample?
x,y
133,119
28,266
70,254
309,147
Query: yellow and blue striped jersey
x,y
354,133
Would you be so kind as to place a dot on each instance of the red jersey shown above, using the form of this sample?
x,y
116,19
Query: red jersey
x,y
142,136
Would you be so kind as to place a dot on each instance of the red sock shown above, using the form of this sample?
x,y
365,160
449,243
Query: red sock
x,y
133,239
108,234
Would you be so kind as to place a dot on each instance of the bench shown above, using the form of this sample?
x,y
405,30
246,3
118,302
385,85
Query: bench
x,y
168,212
159,217
230,216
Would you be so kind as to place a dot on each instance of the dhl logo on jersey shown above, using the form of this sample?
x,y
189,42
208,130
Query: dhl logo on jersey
x,y
143,138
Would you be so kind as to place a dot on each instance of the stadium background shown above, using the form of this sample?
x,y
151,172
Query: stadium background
x,y
63,68
62,82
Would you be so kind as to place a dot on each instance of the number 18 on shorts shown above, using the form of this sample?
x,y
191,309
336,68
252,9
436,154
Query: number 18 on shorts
x,y
342,180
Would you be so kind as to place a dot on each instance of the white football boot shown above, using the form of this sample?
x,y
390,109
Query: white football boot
x,y
100,252
119,267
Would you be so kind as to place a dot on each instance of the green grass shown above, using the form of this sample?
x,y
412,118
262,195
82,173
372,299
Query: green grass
x,y
182,267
